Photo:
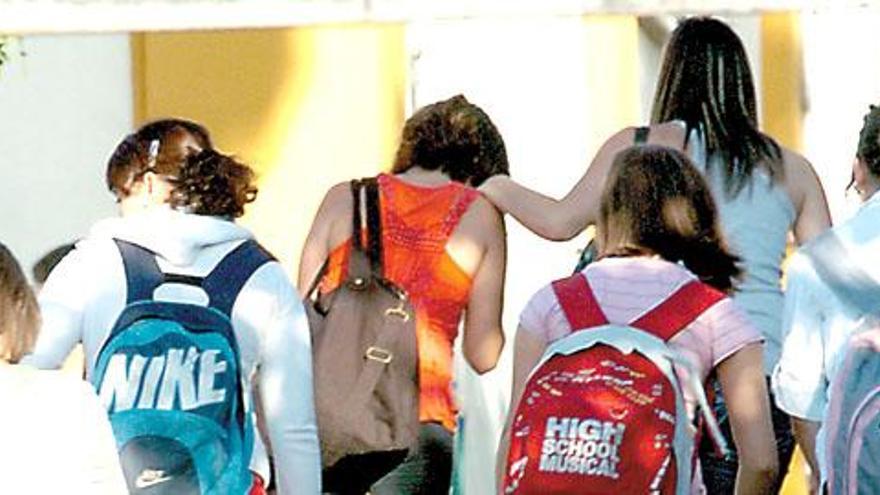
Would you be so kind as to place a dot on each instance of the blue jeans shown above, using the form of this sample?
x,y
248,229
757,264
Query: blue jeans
x,y
719,473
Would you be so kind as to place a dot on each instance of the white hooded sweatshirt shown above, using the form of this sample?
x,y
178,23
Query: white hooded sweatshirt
x,y
87,291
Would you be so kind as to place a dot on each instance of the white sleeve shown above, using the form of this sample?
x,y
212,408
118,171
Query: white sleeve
x,y
286,397
103,471
800,380
63,300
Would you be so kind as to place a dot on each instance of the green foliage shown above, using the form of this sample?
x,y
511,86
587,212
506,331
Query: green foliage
x,y
4,45
8,44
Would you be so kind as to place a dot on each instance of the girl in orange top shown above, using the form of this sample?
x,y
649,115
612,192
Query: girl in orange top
x,y
445,245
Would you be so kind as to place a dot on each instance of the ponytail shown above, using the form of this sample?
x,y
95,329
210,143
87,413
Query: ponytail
x,y
211,183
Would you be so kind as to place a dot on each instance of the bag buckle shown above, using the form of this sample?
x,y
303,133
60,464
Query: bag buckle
x,y
399,312
378,354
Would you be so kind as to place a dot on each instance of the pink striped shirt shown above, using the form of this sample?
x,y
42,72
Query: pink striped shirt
x,y
626,289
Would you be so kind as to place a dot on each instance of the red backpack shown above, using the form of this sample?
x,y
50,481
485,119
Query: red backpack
x,y
603,411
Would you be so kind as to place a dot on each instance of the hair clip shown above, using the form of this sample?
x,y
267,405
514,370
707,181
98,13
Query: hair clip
x,y
152,154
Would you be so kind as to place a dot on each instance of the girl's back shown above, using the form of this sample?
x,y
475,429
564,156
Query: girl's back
x,y
435,236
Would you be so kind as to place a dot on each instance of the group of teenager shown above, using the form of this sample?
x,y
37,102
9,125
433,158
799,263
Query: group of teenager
x,y
693,215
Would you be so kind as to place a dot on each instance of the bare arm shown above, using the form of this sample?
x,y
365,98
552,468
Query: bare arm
x,y
560,220
528,349
483,333
744,387
805,434
808,196
336,205
554,219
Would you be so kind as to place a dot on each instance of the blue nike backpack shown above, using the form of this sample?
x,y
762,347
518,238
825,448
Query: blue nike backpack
x,y
170,378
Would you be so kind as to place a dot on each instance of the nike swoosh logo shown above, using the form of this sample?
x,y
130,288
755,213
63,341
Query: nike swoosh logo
x,y
150,477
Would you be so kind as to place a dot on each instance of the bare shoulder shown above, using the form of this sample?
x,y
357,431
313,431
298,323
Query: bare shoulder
x,y
621,139
328,227
482,222
483,214
671,134
800,177
796,164
338,197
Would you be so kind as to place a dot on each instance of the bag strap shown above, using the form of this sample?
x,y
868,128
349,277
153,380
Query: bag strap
x,y
143,275
377,356
578,302
231,274
356,215
641,135
671,316
374,226
367,210
836,266
678,310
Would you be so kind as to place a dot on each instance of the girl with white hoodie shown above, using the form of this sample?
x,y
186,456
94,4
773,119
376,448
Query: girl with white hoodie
x,y
178,198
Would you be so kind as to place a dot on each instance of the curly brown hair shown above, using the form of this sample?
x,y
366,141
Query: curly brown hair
x,y
206,182
19,313
456,137
211,183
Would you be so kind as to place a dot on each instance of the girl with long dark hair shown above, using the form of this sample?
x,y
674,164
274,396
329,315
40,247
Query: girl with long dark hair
x,y
705,104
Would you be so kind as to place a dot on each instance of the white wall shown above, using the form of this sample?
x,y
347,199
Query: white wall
x,y
65,104
842,79
650,53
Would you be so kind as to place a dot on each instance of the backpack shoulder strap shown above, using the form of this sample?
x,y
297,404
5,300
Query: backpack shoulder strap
x,y
679,310
142,272
229,276
578,302
841,272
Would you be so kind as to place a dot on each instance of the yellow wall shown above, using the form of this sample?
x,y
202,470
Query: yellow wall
x,y
306,107
782,82
782,90
612,45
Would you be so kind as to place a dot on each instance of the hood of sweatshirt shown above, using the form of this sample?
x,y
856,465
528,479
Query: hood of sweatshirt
x,y
175,236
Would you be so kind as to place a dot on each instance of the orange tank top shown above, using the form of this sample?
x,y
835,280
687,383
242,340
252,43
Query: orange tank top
x,y
417,222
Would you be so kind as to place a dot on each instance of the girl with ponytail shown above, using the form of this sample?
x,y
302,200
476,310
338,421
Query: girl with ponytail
x,y
179,198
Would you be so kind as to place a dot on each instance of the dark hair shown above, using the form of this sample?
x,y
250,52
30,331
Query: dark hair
x,y
869,141
211,183
206,182
44,266
706,81
175,139
456,137
19,313
656,202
